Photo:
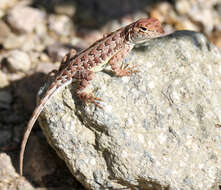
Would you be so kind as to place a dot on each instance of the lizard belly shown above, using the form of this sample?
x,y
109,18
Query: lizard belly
x,y
98,68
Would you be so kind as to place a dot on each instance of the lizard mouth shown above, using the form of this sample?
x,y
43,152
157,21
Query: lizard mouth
x,y
144,37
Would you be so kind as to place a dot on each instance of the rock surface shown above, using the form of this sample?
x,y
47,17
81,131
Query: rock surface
x,y
13,41
158,129
9,179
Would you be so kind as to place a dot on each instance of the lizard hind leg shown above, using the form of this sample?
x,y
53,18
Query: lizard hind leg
x,y
86,96
67,58
89,98
64,62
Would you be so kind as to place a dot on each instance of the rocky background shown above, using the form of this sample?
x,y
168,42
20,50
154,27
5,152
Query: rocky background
x,y
35,35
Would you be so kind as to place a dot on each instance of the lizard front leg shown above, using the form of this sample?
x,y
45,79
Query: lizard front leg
x,y
120,70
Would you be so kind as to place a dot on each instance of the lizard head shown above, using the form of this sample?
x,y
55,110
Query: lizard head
x,y
143,30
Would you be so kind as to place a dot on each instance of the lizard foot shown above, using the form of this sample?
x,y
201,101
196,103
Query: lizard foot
x,y
126,71
90,98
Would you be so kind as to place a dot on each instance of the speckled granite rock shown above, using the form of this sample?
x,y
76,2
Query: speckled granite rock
x,y
158,129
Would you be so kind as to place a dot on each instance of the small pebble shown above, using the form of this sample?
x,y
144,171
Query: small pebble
x,y
9,177
4,31
25,19
60,24
13,41
18,61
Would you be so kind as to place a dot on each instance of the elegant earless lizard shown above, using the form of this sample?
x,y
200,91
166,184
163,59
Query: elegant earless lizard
x,y
81,67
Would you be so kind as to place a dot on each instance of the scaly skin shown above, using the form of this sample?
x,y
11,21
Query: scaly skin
x,y
81,67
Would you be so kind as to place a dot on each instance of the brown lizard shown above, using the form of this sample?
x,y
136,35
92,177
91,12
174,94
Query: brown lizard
x,y
81,67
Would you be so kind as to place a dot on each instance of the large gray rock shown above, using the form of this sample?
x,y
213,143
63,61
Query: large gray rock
x,y
159,128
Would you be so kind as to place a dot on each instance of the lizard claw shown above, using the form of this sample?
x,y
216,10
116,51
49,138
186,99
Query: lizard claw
x,y
126,71
90,98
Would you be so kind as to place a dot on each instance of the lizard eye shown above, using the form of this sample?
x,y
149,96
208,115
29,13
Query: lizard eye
x,y
143,28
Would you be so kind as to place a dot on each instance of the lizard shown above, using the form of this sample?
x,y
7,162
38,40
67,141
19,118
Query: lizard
x,y
81,67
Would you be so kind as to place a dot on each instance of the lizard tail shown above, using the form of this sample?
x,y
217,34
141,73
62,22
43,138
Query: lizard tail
x,y
31,123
